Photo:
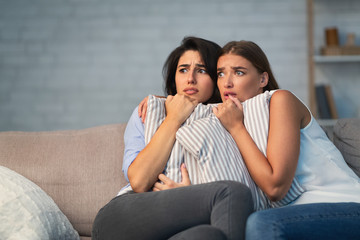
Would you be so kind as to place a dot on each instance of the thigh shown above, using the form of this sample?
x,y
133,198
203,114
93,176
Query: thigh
x,y
306,221
160,215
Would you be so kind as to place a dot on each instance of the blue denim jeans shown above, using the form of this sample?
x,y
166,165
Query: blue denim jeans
x,y
306,221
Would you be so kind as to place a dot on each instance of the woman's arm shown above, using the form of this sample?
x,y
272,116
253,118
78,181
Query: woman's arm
x,y
151,161
134,140
275,173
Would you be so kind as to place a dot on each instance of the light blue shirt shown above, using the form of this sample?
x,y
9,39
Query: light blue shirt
x,y
134,139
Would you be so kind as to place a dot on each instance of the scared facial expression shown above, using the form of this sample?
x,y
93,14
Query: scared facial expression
x,y
192,78
239,78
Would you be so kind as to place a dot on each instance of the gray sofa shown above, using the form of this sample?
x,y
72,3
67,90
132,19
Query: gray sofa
x,y
81,169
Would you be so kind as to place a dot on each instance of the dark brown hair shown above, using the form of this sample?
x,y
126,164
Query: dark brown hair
x,y
208,51
254,54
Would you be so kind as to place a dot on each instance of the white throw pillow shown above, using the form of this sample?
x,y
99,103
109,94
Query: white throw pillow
x,y
27,212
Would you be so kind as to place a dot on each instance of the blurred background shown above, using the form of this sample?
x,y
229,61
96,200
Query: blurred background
x,y
75,64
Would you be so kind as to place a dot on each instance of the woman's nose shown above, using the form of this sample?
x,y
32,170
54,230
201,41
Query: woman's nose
x,y
191,77
228,82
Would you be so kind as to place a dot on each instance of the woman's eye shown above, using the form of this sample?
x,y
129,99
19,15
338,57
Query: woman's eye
x,y
202,71
220,74
240,73
183,70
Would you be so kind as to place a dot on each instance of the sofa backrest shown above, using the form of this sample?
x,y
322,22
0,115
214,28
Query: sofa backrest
x,y
79,169
347,140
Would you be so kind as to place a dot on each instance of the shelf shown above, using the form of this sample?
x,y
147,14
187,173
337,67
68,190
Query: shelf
x,y
322,66
334,59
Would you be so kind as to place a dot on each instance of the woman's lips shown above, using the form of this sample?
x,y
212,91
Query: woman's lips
x,y
227,94
191,91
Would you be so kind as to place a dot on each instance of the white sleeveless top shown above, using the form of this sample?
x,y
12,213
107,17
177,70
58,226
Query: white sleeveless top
x,y
322,170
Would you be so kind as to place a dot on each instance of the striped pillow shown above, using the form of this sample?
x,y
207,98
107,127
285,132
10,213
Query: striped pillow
x,y
218,155
154,117
211,154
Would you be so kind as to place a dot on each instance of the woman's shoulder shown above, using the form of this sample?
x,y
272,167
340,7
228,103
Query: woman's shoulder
x,y
285,99
282,93
282,96
134,123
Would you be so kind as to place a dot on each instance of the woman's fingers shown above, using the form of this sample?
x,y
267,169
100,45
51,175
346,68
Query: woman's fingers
x,y
167,183
185,176
179,107
236,101
144,111
142,108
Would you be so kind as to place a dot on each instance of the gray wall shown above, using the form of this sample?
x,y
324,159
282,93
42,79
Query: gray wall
x,y
80,63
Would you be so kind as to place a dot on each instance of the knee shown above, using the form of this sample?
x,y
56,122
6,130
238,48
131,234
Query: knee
x,y
95,227
259,225
108,215
238,191
254,222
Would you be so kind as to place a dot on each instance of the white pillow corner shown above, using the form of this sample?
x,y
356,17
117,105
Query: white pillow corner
x,y
27,212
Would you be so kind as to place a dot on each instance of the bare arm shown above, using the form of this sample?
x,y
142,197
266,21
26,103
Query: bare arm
x,y
151,161
275,173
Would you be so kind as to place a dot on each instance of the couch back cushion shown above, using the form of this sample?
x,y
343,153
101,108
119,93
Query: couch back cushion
x,y
79,169
347,140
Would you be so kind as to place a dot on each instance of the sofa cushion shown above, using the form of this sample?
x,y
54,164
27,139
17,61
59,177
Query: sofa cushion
x,y
27,212
347,140
79,169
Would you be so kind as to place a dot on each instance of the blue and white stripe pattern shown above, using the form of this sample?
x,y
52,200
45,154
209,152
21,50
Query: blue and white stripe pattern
x,y
209,151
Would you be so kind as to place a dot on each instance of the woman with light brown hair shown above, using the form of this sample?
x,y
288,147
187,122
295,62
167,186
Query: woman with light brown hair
x,y
298,148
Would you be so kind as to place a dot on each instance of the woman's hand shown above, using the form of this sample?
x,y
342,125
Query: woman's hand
x,y
179,107
230,113
167,183
142,109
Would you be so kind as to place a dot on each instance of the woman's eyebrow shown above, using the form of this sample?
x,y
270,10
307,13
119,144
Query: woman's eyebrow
x,y
187,65
239,67
234,68
184,65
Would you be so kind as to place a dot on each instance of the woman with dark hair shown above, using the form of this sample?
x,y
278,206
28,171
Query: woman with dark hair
x,y
203,211
207,50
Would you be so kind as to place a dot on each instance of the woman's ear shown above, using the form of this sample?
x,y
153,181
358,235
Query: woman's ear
x,y
264,79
